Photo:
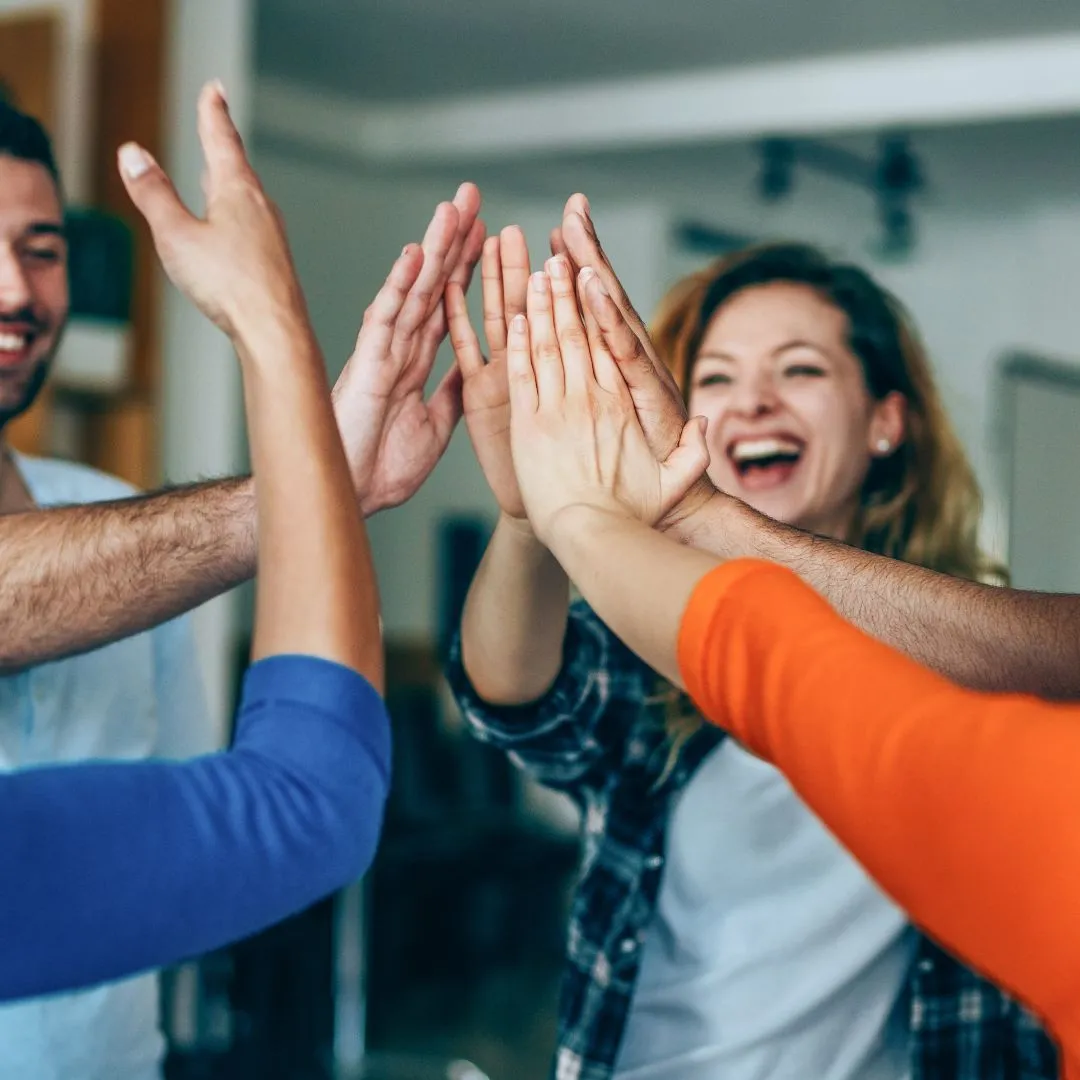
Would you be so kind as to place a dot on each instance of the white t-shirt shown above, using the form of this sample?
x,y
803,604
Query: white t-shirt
x,y
139,697
771,956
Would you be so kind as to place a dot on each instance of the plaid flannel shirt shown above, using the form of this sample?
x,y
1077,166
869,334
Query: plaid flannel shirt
x,y
599,736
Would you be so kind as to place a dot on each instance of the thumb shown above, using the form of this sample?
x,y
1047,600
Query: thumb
x,y
686,464
153,194
445,407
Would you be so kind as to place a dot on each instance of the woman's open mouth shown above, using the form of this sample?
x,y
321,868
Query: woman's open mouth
x,y
765,461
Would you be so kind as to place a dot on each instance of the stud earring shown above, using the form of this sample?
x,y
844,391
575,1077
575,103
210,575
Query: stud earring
x,y
884,446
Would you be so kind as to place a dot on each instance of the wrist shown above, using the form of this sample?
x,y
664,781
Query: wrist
x,y
705,519
263,332
520,527
519,534
571,524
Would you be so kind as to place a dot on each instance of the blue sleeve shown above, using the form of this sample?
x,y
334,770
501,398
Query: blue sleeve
x,y
109,869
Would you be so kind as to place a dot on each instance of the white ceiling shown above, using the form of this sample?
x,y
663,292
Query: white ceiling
x,y
408,49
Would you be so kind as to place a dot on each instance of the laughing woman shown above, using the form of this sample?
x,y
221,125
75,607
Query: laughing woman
x,y
718,929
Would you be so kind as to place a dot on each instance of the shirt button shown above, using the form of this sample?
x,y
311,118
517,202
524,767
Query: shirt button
x,y
628,945
926,965
654,861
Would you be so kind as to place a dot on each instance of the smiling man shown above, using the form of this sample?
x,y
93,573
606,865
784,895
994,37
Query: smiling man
x,y
33,270
138,698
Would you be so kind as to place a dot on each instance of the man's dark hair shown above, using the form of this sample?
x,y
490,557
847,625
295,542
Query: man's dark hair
x,y
22,137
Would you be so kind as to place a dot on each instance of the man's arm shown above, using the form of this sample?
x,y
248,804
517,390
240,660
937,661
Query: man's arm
x,y
981,636
79,577
76,578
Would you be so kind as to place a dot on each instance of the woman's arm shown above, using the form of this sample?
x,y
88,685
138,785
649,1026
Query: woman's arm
x,y
316,589
514,620
513,625
115,868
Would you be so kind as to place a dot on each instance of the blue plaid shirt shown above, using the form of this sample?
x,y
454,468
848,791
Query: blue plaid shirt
x,y
599,736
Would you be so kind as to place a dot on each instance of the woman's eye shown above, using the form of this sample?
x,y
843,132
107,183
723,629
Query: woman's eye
x,y
811,371
716,378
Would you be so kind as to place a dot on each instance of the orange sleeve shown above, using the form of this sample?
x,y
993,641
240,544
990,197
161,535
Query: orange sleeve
x,y
964,806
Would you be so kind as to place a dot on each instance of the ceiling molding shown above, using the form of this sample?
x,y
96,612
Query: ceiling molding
x,y
942,85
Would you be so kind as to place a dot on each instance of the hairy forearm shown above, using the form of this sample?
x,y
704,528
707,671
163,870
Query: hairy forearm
x,y
980,636
79,577
514,621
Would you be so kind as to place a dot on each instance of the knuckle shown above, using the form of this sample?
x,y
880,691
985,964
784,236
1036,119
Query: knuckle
x,y
422,295
549,353
374,315
573,337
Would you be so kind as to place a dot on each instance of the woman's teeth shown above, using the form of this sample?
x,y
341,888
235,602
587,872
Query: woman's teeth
x,y
747,451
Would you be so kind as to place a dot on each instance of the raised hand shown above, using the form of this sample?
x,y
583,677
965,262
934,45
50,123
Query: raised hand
x,y
393,436
575,435
657,398
234,264
504,273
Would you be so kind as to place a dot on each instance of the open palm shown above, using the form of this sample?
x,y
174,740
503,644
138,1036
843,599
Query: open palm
x,y
393,436
414,434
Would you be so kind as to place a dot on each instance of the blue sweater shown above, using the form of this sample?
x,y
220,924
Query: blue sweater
x,y
112,868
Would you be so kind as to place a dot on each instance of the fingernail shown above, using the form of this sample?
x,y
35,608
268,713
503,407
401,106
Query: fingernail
x,y
518,324
405,249
588,208
539,281
219,86
557,268
587,274
134,160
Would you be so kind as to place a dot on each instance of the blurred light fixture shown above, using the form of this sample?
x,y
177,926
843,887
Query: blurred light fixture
x,y
893,177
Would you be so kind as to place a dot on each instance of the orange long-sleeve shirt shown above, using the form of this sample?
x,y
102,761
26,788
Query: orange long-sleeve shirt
x,y
964,806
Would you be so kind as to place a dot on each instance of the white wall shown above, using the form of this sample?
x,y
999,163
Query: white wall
x,y
1045,518
201,407
980,284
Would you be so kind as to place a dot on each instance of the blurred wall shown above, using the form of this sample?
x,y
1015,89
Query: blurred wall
x,y
201,408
